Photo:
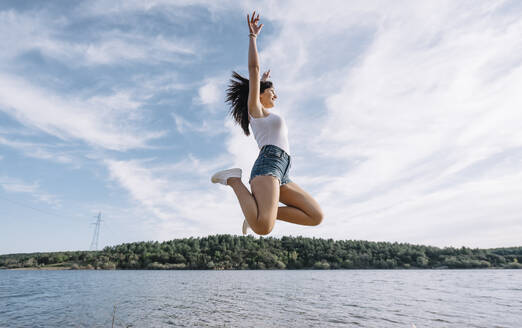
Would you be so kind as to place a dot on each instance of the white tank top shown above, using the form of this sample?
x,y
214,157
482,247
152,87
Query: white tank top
x,y
270,130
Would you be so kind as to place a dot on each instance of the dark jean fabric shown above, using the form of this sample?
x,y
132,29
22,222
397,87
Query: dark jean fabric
x,y
274,161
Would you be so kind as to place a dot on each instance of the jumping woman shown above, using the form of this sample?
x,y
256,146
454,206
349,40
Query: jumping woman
x,y
269,179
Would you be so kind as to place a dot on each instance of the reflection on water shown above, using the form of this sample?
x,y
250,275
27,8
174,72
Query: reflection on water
x,y
288,298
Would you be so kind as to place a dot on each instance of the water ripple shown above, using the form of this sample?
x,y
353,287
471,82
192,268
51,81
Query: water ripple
x,y
297,298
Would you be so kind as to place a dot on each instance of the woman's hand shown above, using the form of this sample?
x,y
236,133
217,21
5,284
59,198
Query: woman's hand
x,y
266,75
252,24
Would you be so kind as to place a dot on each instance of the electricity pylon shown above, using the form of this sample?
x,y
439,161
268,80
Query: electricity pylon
x,y
95,237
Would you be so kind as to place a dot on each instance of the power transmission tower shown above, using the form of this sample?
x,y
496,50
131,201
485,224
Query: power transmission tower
x,y
95,237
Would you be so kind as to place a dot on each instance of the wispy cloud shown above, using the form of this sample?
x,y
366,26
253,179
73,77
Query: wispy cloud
x,y
45,33
178,196
15,185
120,7
403,119
120,47
40,151
103,125
420,107
206,127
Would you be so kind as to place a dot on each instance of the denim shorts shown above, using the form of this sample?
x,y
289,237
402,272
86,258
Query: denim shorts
x,y
274,161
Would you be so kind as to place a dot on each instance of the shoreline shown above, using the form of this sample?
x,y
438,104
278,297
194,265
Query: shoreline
x,y
272,269
221,252
42,268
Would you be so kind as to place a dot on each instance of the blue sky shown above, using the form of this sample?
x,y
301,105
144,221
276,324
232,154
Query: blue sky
x,y
404,119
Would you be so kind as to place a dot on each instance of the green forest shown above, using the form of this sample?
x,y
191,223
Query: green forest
x,y
228,252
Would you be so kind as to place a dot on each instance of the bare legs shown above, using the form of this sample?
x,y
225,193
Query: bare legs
x,y
246,199
260,206
295,215
301,207
269,193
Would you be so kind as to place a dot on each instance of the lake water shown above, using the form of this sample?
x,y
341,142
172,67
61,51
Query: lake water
x,y
287,298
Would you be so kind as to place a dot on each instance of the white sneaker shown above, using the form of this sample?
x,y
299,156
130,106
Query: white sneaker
x,y
246,226
222,176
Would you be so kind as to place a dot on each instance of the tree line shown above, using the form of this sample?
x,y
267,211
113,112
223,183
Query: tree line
x,y
224,252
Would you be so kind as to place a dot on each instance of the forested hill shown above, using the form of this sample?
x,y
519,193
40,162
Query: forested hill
x,y
238,252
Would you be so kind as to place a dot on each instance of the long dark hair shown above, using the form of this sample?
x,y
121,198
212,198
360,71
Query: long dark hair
x,y
237,96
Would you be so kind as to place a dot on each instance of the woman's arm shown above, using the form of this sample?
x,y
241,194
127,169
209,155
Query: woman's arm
x,y
254,104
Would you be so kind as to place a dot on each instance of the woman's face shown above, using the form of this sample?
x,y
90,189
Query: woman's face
x,y
268,98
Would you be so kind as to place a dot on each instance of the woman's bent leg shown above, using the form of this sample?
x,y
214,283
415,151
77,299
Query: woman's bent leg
x,y
302,207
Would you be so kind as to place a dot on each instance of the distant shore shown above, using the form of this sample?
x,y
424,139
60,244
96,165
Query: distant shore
x,y
86,269
43,268
229,252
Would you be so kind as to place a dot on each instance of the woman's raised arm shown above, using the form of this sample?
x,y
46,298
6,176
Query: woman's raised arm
x,y
254,104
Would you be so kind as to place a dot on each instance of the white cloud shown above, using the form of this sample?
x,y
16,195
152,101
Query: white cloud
x,y
14,185
180,197
420,106
40,151
211,94
243,150
167,82
207,127
403,119
99,125
19,187
117,47
113,47
127,7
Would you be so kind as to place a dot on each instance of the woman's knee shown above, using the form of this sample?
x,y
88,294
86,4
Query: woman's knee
x,y
264,225
263,230
317,217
